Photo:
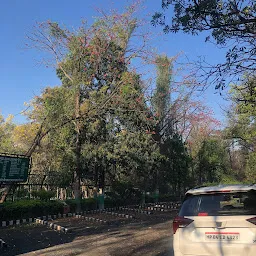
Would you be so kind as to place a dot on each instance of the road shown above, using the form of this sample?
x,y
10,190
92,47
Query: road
x,y
145,235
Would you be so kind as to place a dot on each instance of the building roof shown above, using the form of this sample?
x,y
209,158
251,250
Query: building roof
x,y
221,188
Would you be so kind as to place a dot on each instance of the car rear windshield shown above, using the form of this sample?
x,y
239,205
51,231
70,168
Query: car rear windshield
x,y
238,203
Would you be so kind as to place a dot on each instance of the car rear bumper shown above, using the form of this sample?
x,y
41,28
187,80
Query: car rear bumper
x,y
177,253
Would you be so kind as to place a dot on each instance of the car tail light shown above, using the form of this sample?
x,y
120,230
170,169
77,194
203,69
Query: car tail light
x,y
203,214
180,222
252,220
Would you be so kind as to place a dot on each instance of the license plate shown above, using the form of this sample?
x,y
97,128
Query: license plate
x,y
223,236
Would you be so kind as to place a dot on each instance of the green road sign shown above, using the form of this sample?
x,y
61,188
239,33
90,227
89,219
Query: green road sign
x,y
13,168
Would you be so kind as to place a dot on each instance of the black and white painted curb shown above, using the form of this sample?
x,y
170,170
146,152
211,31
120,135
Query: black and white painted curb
x,y
2,244
64,229
110,211
53,225
92,219
122,215
32,220
135,210
45,220
162,206
157,209
7,223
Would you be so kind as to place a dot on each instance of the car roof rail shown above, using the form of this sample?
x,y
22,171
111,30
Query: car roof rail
x,y
200,186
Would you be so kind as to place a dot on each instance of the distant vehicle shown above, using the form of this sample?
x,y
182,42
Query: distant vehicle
x,y
216,221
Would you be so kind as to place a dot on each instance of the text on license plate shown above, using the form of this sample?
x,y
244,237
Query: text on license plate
x,y
215,236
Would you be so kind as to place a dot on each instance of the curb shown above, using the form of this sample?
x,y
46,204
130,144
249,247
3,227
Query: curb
x,y
136,210
5,223
64,229
168,205
53,226
127,216
92,219
157,209
2,244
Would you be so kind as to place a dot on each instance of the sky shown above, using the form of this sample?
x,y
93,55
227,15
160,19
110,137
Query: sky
x,y
22,76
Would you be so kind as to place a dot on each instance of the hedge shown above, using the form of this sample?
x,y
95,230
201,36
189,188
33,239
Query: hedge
x,y
112,202
161,198
86,204
24,209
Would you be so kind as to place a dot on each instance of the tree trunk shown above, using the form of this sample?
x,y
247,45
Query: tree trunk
x,y
77,191
156,196
77,171
101,188
77,176
8,188
143,200
42,183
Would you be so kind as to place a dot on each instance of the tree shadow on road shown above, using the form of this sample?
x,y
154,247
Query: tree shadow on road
x,y
115,239
160,247
25,239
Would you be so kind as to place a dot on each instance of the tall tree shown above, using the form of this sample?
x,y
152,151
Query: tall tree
x,y
161,98
213,162
241,129
90,63
161,106
174,162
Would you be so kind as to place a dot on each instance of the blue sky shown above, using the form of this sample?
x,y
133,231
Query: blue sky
x,y
22,77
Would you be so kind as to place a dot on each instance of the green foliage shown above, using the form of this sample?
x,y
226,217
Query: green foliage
x,y
162,198
224,18
175,166
241,129
29,209
123,193
229,22
230,179
161,98
55,31
6,130
251,168
86,204
43,194
136,156
99,126
90,64
21,193
243,114
172,172
212,161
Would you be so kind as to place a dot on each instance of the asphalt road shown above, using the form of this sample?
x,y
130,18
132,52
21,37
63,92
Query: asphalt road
x,y
146,235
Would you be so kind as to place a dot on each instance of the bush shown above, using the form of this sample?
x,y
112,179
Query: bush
x,y
43,195
86,204
123,193
29,209
21,193
168,198
162,198
109,203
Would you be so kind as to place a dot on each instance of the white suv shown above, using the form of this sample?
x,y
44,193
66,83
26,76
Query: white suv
x,y
217,221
